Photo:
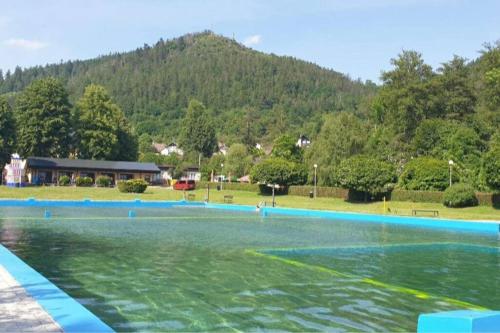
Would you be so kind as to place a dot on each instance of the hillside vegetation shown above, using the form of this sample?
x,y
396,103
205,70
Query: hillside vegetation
x,y
423,128
242,88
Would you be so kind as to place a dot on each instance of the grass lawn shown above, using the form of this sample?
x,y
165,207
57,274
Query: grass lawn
x,y
248,198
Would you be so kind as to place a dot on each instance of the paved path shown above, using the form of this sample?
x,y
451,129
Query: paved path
x,y
19,312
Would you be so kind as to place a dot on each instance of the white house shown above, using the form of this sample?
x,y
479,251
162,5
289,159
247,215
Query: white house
x,y
303,141
172,149
223,149
192,173
15,171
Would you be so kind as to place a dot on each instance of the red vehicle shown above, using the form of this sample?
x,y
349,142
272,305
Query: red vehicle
x,y
185,185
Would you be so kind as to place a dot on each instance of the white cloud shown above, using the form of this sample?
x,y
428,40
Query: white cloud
x,y
252,40
25,43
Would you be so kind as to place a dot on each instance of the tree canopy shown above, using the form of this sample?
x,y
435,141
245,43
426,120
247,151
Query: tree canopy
x,y
197,131
7,131
102,130
43,112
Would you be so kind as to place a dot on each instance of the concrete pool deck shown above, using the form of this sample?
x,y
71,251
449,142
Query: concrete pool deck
x,y
19,312
25,294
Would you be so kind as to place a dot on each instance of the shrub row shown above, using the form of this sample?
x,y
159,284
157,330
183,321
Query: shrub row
x,y
230,186
321,191
486,199
133,186
416,196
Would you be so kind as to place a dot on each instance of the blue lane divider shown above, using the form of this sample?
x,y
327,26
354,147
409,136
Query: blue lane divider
x,y
67,312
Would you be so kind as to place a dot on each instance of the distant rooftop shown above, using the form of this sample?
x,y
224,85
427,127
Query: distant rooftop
x,y
66,163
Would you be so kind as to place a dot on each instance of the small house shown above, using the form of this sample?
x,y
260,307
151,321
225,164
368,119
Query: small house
x,y
303,141
45,170
172,148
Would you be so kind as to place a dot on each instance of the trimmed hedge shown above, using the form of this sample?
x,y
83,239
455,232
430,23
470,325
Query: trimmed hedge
x,y
103,181
486,199
230,186
64,181
416,196
321,191
84,181
133,186
460,195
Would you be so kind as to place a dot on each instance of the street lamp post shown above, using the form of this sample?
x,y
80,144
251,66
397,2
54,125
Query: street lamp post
x,y
221,171
450,163
315,179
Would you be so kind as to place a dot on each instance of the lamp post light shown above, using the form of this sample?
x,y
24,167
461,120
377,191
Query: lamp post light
x,y
315,179
450,163
221,171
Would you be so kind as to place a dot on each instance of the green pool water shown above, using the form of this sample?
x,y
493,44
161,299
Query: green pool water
x,y
197,269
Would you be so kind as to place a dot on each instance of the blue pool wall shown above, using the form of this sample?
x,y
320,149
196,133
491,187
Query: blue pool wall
x,y
32,202
491,227
67,312
460,321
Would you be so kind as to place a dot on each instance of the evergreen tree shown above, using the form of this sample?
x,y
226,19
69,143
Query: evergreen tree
x,y
197,132
43,115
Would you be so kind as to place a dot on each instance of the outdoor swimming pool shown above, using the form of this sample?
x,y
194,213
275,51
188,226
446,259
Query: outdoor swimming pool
x,y
200,269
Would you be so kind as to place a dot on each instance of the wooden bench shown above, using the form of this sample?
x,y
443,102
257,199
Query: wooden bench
x,y
191,197
228,199
433,211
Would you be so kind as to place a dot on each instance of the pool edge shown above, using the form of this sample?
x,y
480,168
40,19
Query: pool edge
x,y
490,227
70,315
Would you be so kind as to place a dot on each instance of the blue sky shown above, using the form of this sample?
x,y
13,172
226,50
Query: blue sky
x,y
356,37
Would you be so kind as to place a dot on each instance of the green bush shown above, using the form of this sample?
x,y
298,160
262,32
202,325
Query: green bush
x,y
103,181
64,181
279,171
84,181
365,174
133,186
491,167
426,174
460,195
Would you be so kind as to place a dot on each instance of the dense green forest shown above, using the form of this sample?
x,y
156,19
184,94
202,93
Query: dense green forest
x,y
202,88
241,88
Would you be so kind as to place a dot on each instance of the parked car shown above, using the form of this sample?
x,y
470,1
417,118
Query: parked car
x,y
186,185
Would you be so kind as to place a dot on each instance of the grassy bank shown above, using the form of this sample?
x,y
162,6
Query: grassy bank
x,y
249,198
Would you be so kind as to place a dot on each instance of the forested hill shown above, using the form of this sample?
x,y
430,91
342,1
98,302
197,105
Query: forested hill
x,y
264,94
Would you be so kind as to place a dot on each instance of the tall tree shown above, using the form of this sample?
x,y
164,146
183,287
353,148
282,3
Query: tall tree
x,y
43,112
285,147
341,136
238,160
103,132
404,100
456,93
7,131
197,132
